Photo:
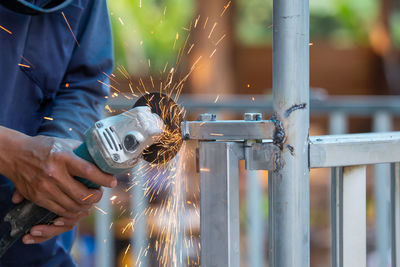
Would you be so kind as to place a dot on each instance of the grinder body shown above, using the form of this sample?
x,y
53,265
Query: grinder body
x,y
114,144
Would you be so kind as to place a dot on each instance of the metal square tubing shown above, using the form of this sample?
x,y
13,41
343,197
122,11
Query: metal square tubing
x,y
348,216
219,203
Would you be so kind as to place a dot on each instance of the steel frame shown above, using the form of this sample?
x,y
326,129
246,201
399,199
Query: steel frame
x,y
218,163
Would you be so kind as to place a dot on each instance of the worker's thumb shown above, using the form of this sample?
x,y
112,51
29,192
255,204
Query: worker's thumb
x,y
17,197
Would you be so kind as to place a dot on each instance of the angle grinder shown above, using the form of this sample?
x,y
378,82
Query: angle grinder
x,y
149,131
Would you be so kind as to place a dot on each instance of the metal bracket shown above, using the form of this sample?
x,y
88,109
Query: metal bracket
x,y
254,134
262,156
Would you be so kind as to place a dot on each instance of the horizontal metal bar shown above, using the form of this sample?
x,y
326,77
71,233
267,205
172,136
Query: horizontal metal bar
x,y
354,149
228,130
319,105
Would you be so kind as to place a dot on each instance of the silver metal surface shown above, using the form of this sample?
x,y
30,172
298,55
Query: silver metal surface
x,y
104,238
338,123
139,203
228,130
382,122
219,203
354,216
395,214
354,149
107,139
348,216
262,156
256,220
289,237
207,117
252,116
337,217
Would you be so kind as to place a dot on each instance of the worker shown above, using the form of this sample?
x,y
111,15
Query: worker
x,y
55,60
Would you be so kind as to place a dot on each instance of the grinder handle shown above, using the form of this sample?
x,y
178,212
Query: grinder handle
x,y
83,153
23,216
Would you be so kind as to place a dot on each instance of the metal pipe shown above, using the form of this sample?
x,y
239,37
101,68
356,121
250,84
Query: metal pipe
x,y
104,238
289,237
139,204
382,122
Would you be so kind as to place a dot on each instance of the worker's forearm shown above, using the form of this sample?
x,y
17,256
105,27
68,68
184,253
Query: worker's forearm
x,y
10,142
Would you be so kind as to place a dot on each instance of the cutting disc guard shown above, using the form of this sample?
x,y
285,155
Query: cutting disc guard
x,y
171,141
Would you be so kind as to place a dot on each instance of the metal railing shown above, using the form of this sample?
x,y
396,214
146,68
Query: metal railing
x,y
371,149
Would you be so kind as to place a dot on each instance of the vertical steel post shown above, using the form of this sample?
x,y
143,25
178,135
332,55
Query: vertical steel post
x,y
348,209
219,203
337,217
395,214
338,123
139,203
104,237
255,219
382,123
289,238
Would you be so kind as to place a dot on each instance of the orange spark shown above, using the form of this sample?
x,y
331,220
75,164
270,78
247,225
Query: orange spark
x,y
102,211
6,30
212,29
113,198
67,85
108,108
196,21
109,85
225,8
190,49
216,99
48,118
65,18
216,134
213,52
83,199
23,65
223,36
205,23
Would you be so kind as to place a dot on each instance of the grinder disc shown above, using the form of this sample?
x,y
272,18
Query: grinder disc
x,y
171,141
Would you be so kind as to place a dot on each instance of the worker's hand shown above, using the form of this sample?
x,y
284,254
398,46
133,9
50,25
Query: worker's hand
x,y
42,170
42,233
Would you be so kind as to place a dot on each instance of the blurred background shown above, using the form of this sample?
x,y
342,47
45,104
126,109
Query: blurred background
x,y
222,50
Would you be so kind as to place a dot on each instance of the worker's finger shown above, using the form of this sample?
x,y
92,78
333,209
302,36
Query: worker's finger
x,y
81,168
55,208
17,197
68,203
41,233
80,193
64,221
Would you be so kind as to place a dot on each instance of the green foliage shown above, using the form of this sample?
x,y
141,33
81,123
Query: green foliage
x,y
340,21
147,29
395,29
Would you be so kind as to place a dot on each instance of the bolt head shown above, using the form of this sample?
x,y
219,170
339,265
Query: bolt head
x,y
115,157
207,117
99,124
252,116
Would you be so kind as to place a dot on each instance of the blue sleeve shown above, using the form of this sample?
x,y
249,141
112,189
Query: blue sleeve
x,y
82,94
